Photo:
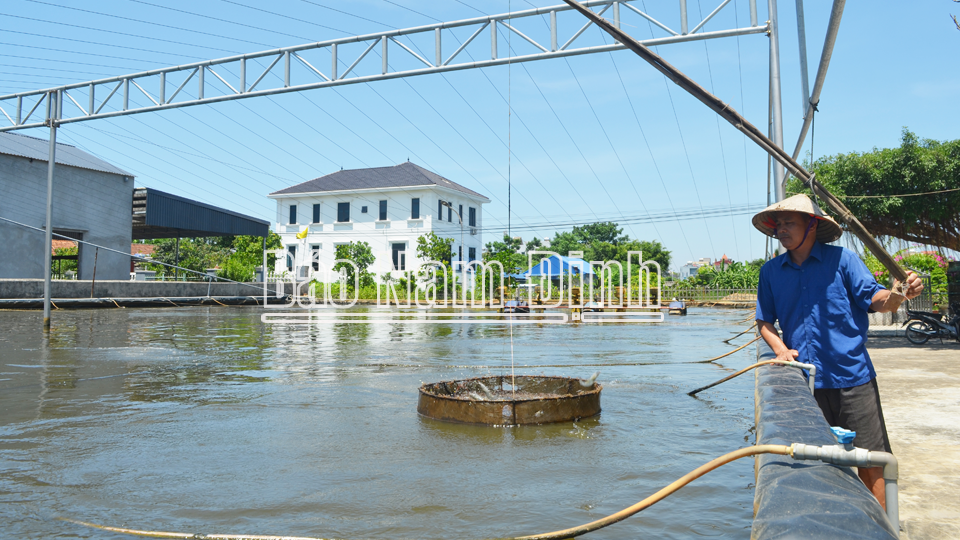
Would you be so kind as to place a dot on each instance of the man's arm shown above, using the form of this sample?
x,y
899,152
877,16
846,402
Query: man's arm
x,y
772,337
885,301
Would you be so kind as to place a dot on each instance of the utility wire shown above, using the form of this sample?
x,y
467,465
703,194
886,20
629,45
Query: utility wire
x,y
192,31
287,17
572,140
746,168
683,143
653,158
98,43
138,36
723,156
159,6
421,96
208,276
611,145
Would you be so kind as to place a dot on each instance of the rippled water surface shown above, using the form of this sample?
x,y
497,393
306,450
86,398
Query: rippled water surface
x,y
206,420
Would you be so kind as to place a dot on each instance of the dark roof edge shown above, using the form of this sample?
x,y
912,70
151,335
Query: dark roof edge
x,y
472,193
204,205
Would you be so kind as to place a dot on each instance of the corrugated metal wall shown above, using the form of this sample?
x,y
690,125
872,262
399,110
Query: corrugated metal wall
x,y
166,210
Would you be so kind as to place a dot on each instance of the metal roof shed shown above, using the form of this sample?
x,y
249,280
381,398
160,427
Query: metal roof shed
x,y
157,214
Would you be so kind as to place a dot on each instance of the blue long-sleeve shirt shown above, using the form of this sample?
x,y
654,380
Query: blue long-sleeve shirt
x,y
822,309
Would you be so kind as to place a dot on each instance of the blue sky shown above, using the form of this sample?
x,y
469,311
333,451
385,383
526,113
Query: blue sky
x,y
599,137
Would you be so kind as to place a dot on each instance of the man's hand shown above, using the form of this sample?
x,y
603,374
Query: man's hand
x,y
889,301
770,335
787,355
914,286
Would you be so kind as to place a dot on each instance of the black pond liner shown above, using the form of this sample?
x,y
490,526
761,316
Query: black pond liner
x,y
804,499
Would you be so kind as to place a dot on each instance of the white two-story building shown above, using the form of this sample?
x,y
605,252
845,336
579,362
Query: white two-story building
x,y
387,207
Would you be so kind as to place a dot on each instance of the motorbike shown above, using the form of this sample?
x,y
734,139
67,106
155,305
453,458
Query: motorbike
x,y
922,325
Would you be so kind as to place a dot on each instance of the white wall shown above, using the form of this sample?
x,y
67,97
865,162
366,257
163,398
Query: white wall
x,y
398,228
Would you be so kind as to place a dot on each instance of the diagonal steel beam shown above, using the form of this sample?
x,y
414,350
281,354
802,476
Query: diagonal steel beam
x,y
741,124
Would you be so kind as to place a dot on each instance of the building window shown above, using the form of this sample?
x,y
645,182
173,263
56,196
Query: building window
x,y
450,214
316,213
315,256
460,214
293,214
399,256
440,209
473,217
383,210
415,208
363,209
460,253
291,257
473,254
343,212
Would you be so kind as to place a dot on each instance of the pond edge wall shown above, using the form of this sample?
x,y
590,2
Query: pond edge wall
x,y
807,499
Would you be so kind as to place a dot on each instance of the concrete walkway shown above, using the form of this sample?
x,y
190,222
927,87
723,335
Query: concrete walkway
x,y
920,393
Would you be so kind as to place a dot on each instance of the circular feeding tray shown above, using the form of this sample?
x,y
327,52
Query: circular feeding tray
x,y
506,400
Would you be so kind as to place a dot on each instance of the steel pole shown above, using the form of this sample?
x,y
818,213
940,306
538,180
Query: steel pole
x,y
265,269
744,126
48,244
802,42
832,27
779,174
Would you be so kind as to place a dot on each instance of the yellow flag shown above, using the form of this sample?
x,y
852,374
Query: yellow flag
x,y
303,234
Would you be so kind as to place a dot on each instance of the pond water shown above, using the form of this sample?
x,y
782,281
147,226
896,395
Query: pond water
x,y
206,420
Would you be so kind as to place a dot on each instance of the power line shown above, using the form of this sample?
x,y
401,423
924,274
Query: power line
x,y
138,36
746,168
723,157
346,13
653,158
610,144
221,20
62,61
69,51
575,145
150,23
287,17
47,36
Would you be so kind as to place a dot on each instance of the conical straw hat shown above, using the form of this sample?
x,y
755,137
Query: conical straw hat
x,y
827,229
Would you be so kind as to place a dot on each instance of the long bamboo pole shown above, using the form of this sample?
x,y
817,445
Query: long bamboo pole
x,y
738,121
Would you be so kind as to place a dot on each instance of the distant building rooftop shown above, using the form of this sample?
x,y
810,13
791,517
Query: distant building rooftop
x,y
403,175
15,144
157,214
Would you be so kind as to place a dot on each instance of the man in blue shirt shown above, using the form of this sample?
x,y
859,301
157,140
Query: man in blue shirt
x,y
821,294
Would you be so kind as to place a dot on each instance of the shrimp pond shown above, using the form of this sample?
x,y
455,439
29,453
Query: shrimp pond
x,y
207,420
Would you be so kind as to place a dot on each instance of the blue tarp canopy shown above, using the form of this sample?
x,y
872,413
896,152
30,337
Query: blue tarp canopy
x,y
558,265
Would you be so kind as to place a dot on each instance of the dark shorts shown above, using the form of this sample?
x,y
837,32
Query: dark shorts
x,y
856,409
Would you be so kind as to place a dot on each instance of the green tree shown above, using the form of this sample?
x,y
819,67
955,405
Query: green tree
x,y
362,255
534,244
605,242
431,247
246,253
598,241
197,254
874,185
652,251
506,252
735,275
931,264
434,248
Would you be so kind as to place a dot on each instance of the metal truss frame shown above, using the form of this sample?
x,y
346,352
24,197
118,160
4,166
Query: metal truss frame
x,y
227,79
219,88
